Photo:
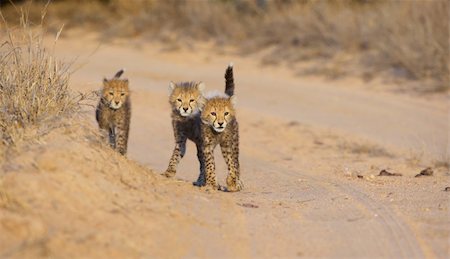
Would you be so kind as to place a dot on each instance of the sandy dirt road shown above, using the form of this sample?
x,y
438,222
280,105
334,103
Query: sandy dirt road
x,y
303,143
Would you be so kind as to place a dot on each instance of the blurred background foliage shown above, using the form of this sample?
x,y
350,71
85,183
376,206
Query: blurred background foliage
x,y
409,39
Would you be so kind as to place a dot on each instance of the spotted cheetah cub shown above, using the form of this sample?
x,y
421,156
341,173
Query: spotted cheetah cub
x,y
114,111
185,99
220,127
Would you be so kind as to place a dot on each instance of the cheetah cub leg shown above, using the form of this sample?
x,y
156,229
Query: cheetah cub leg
x,y
210,174
121,139
231,156
201,181
112,137
178,153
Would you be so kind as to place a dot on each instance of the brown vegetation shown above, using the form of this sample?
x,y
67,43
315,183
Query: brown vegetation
x,y
34,84
406,39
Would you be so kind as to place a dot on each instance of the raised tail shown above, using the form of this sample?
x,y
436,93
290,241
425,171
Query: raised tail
x,y
119,73
229,80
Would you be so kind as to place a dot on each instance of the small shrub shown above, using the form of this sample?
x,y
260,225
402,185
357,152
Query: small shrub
x,y
366,148
33,82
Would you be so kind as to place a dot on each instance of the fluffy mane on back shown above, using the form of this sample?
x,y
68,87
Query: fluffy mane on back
x,y
216,94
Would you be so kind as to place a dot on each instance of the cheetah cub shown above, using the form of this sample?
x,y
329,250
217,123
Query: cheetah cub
x,y
114,111
185,99
220,127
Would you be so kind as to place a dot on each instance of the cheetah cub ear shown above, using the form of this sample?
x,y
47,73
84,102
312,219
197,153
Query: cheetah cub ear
x,y
171,87
233,100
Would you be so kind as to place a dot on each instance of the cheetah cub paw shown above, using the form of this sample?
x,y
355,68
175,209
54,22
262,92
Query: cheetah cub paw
x,y
209,187
169,173
199,183
234,185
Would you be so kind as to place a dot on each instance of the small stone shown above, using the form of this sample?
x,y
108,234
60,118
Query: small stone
x,y
347,172
248,205
293,123
425,172
386,173
318,142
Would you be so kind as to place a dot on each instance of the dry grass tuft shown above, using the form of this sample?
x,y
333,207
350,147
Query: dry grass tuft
x,y
369,149
33,83
442,163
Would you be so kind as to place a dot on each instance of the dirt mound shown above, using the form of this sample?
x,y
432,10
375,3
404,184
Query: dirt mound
x,y
71,195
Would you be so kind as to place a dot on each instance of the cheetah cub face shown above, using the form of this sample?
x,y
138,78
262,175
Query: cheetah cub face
x,y
115,92
218,112
186,98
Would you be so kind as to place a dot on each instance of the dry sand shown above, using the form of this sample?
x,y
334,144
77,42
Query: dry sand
x,y
311,151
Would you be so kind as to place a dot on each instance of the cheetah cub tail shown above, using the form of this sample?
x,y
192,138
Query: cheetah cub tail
x,y
116,76
229,80
119,73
